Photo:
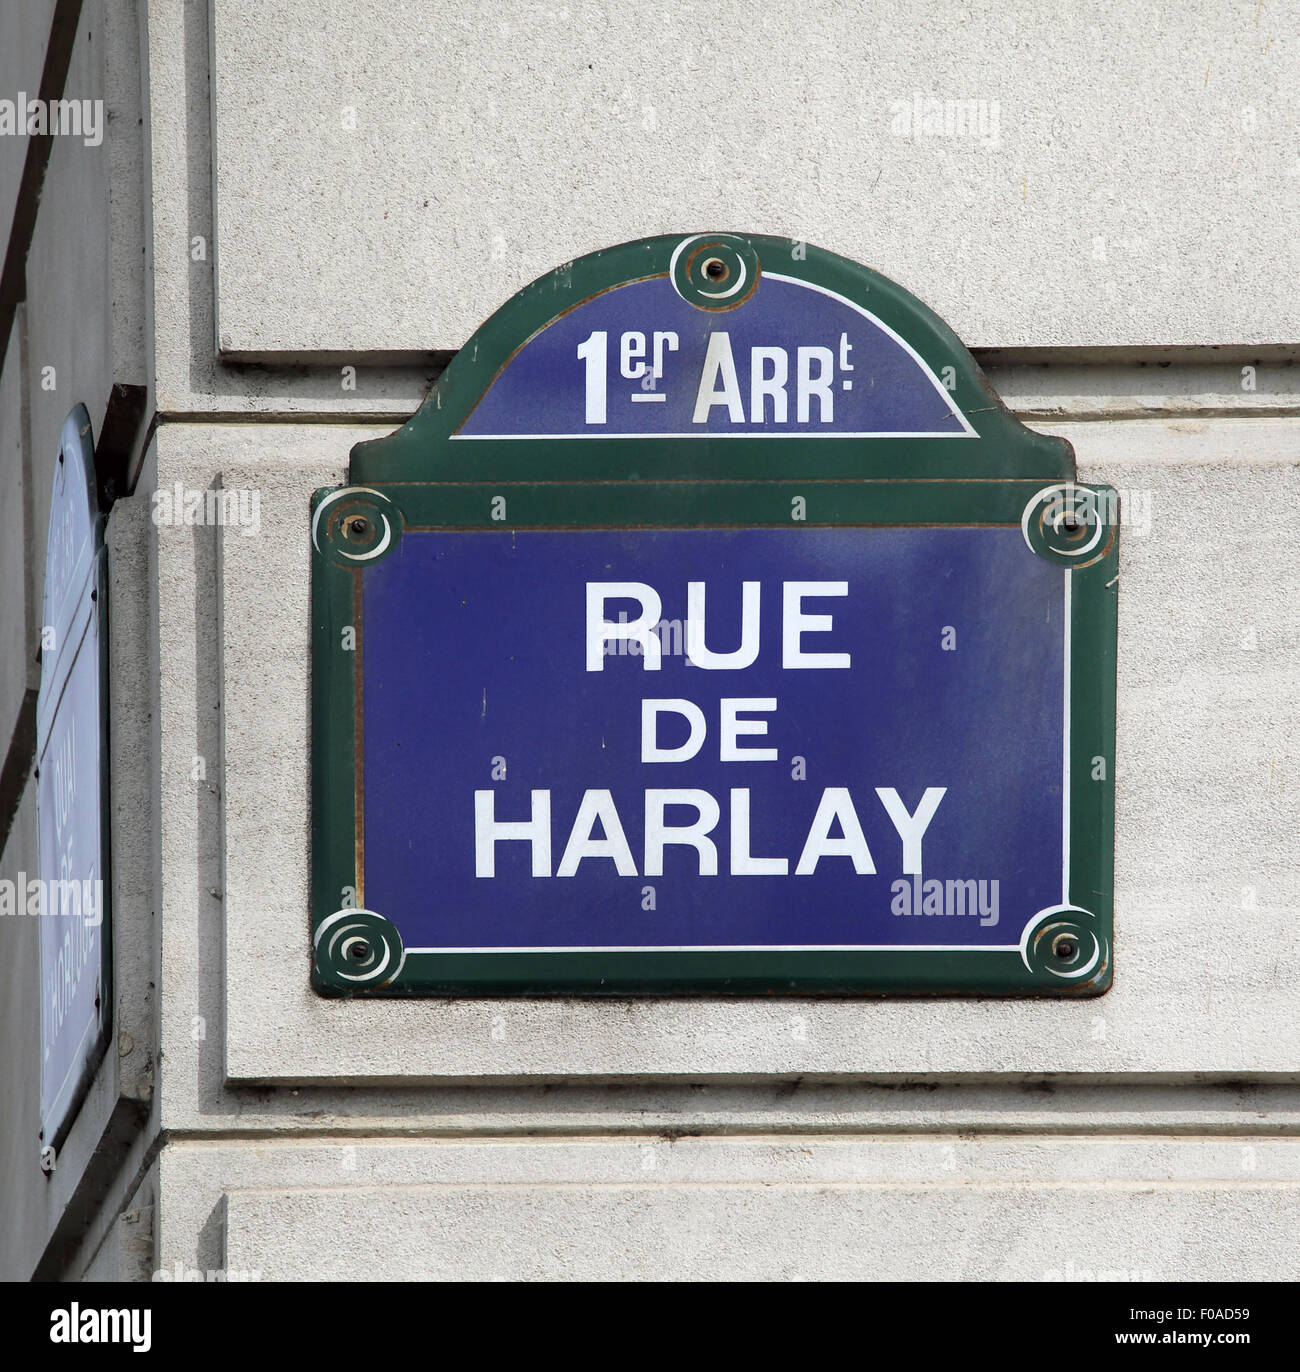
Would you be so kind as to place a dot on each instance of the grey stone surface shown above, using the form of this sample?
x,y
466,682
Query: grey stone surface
x,y
70,291
1134,188
189,377
19,673
22,59
87,307
131,321
133,696
126,1251
193,379
848,1232
23,1188
939,1208
769,1106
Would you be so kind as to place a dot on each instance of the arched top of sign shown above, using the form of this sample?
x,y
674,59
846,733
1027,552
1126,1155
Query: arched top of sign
x,y
683,357
747,384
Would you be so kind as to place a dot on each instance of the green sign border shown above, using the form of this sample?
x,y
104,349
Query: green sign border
x,y
421,478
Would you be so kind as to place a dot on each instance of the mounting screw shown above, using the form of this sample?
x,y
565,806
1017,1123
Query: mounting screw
x,y
1065,946
358,949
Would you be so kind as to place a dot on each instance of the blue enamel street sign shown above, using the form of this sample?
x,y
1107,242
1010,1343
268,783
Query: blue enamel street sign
x,y
71,771
825,721
604,704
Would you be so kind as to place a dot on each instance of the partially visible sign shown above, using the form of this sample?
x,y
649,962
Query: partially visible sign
x,y
72,768
713,628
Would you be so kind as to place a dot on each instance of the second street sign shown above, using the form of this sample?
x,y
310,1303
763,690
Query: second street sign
x,y
713,629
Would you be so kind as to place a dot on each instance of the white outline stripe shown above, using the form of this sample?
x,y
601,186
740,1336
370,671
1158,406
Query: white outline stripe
x,y
744,948
61,1098
700,433
1065,753
902,343
853,947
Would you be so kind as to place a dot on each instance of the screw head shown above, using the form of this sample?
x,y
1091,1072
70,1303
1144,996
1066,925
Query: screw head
x,y
1065,946
356,949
